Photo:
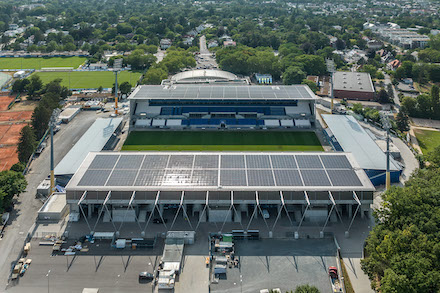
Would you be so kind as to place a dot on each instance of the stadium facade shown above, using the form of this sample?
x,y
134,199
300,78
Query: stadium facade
x,y
225,106
234,187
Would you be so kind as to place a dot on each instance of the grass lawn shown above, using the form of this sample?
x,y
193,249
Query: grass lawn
x,y
222,141
428,139
89,79
38,63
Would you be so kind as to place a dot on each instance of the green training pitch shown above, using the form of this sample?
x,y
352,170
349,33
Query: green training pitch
x,y
38,63
428,139
222,141
89,79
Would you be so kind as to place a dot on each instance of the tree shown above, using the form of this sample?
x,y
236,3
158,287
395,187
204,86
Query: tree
x,y
293,75
402,121
40,120
154,76
100,88
403,249
27,144
125,88
409,106
312,85
434,157
11,184
424,105
20,85
34,86
306,289
382,96
18,167
435,100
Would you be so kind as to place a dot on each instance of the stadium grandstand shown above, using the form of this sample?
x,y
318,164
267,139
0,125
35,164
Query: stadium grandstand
x,y
347,135
225,106
233,187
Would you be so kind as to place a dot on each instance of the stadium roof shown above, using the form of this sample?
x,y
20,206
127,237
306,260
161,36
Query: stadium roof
x,y
352,81
209,74
222,92
215,171
354,139
92,141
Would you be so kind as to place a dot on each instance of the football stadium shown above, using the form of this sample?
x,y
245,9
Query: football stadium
x,y
221,152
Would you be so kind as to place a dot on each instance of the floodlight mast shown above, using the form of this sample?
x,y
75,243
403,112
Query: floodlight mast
x,y
52,123
117,65
386,125
331,68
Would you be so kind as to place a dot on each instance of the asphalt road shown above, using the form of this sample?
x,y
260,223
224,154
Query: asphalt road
x,y
26,205
395,97
205,60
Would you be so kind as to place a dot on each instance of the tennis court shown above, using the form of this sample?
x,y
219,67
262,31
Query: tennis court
x,y
10,134
8,157
15,116
5,101
222,141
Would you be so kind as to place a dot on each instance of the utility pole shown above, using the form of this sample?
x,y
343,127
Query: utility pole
x,y
52,123
117,65
331,68
387,126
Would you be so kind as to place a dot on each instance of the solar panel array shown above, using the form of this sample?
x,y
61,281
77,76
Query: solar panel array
x,y
222,92
239,170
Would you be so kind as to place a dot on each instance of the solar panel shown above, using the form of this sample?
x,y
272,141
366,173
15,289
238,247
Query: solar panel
x,y
104,162
232,177
260,178
177,177
129,162
308,162
287,178
283,162
180,161
336,162
155,162
122,178
205,177
344,178
315,178
257,161
149,178
94,178
232,161
206,162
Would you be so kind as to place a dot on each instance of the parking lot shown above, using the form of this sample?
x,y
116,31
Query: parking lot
x,y
279,263
109,273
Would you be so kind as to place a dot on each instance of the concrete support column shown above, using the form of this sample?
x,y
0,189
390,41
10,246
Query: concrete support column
x,y
196,208
185,208
89,210
161,209
237,215
243,208
136,209
73,207
257,212
203,215
350,211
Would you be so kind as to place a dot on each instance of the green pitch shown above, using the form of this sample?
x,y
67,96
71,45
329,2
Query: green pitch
x,y
38,63
89,79
222,141
428,139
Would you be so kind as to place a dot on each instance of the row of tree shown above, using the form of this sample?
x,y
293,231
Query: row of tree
x,y
424,106
51,95
175,60
403,249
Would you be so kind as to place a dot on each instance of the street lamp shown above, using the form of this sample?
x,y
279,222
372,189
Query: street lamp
x,y
331,68
386,124
48,273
